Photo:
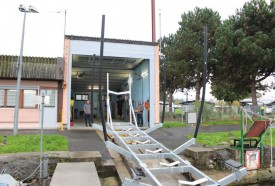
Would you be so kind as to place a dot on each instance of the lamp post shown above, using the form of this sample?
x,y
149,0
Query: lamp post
x,y
25,10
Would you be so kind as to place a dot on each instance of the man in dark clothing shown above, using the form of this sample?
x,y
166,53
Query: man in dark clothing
x,y
139,111
87,113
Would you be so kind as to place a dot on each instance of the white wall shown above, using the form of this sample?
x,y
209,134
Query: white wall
x,y
118,50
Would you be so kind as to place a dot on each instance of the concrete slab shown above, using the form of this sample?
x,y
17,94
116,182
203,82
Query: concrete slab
x,y
86,156
71,174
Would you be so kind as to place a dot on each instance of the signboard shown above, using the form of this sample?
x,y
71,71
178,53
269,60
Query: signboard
x,y
252,160
191,117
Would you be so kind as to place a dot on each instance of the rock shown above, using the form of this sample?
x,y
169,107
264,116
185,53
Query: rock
x,y
110,181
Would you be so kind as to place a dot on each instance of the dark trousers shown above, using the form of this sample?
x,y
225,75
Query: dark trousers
x,y
87,118
140,120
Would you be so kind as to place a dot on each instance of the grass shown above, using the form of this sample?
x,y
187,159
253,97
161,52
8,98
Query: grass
x,y
171,124
31,143
215,138
220,122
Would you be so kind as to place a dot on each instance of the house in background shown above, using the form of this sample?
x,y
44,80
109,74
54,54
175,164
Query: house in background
x,y
69,78
267,103
38,75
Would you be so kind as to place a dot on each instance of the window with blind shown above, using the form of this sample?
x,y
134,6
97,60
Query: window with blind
x,y
28,96
2,92
11,97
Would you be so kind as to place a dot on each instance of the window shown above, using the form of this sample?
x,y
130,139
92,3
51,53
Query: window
x,y
51,94
2,92
81,97
28,95
11,97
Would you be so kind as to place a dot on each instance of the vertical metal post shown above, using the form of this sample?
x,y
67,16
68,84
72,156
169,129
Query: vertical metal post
x,y
45,166
242,133
160,31
100,78
19,68
41,133
271,146
153,21
204,82
108,101
261,150
92,90
164,90
130,99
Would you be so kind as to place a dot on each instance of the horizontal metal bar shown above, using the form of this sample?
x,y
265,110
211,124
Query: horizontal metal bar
x,y
118,93
139,138
119,149
155,156
130,132
184,146
129,182
233,177
144,146
170,170
151,129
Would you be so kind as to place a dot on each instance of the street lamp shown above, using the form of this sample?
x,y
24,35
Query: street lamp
x,y
31,9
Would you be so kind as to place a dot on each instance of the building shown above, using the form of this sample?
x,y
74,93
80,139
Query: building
x,y
68,81
39,75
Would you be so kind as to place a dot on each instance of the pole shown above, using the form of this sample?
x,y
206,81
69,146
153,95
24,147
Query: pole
x,y
160,31
100,78
41,133
271,146
153,21
204,82
92,90
65,23
242,137
19,67
164,90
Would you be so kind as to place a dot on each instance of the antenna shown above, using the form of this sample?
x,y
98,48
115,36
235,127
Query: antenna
x,y
160,31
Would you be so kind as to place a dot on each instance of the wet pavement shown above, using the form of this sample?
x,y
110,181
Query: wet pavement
x,y
87,139
174,137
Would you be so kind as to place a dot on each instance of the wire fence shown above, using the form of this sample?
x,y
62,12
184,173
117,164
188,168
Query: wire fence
x,y
189,113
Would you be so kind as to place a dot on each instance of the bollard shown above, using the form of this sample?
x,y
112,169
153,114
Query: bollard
x,y
45,166
5,140
62,126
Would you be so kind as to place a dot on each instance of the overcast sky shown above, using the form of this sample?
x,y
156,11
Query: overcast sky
x,y
125,19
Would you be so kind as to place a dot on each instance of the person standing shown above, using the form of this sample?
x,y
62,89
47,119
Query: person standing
x,y
87,113
140,114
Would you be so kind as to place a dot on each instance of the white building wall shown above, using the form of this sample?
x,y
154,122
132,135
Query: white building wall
x,y
117,50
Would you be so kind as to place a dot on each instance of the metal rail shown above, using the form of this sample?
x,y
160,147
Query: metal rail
x,y
138,146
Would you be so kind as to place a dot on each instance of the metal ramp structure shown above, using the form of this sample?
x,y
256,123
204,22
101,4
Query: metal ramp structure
x,y
139,147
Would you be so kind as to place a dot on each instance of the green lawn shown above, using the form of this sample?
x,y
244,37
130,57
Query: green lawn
x,y
171,124
215,138
31,143
220,122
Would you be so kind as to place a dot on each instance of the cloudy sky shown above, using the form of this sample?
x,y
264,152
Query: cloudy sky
x,y
125,19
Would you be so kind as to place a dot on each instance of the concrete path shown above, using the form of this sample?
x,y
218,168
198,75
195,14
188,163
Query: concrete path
x,y
72,174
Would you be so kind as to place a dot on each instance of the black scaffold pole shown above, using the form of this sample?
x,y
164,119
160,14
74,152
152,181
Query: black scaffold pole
x,y
100,78
92,89
204,81
164,89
